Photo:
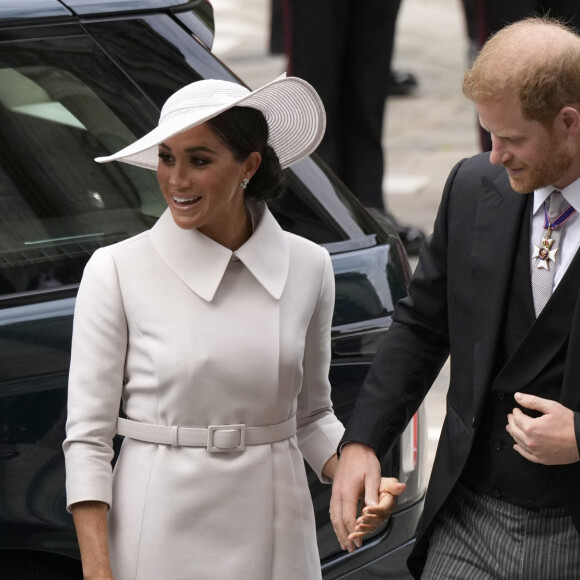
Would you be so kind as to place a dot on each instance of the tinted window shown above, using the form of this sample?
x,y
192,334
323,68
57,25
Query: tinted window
x,y
60,108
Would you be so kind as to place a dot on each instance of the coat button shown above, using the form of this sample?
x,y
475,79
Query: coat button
x,y
497,493
501,396
498,445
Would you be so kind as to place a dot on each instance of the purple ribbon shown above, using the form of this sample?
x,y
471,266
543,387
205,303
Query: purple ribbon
x,y
561,219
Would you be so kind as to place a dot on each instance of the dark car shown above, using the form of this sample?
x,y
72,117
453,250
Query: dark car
x,y
80,79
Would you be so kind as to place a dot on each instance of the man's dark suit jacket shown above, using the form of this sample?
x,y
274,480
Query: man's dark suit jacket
x,y
456,306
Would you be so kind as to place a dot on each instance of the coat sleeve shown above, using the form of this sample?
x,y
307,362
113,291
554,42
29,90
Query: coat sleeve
x,y
414,348
319,431
95,382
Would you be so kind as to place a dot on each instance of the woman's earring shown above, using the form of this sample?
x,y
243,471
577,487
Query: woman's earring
x,y
244,183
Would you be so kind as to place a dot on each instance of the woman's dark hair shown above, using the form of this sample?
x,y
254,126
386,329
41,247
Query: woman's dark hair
x,y
243,130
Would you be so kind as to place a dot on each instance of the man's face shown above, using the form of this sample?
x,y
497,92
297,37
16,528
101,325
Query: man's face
x,y
531,152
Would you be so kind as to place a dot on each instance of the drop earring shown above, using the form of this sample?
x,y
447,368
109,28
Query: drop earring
x,y
244,183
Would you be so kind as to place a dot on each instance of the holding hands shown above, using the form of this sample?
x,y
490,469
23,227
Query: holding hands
x,y
374,515
358,477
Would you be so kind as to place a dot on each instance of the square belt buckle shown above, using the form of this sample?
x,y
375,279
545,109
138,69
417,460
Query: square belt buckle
x,y
212,430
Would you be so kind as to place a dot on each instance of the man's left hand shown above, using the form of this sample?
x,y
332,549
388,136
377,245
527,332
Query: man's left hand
x,y
548,439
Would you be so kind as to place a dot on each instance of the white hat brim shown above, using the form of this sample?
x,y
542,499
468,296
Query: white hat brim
x,y
292,108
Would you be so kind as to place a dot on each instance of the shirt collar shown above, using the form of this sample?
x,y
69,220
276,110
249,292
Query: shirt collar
x,y
267,253
571,194
201,263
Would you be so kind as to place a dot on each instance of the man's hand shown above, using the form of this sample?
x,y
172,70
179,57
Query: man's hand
x,y
358,476
548,439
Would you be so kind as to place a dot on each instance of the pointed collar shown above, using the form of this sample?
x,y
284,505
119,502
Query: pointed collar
x,y
571,193
201,263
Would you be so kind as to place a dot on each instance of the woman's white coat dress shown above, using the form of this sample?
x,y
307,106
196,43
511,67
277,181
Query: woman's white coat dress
x,y
188,333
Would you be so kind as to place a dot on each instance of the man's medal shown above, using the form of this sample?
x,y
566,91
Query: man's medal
x,y
543,252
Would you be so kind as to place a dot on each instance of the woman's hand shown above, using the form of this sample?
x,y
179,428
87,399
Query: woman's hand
x,y
374,515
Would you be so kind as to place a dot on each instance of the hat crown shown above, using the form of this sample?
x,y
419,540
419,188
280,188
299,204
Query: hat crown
x,y
206,94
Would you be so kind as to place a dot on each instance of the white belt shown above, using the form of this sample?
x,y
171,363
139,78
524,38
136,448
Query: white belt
x,y
216,438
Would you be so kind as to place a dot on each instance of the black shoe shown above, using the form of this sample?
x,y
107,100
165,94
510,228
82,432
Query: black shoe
x,y
401,83
411,237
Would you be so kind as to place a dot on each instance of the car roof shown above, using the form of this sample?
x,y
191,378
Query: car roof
x,y
18,10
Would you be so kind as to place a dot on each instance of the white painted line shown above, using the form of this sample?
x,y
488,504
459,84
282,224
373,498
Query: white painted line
x,y
404,184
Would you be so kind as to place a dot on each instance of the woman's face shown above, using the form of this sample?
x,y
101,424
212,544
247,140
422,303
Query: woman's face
x,y
200,180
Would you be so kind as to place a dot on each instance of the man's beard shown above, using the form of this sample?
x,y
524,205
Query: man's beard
x,y
557,159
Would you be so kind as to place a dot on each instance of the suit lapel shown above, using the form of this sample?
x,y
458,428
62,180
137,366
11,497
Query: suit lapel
x,y
545,337
570,391
497,228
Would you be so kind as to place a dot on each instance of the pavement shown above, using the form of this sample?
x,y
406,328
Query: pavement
x,y
424,134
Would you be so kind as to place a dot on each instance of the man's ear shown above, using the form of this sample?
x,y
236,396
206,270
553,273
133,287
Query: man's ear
x,y
568,118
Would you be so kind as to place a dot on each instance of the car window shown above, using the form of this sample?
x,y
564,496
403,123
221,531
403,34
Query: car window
x,y
56,204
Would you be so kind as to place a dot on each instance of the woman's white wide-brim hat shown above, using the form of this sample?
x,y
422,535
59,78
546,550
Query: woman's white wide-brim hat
x,y
293,110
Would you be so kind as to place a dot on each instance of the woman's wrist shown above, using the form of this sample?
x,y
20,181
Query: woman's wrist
x,y
330,466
